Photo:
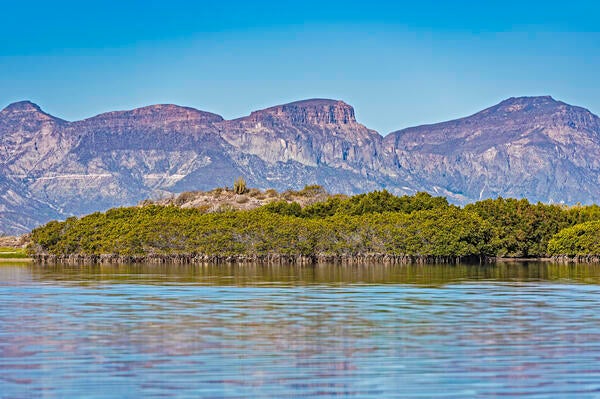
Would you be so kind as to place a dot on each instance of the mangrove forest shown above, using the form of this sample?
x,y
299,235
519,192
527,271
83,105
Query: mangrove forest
x,y
420,226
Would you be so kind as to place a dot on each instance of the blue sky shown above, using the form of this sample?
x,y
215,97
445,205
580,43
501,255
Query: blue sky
x,y
398,63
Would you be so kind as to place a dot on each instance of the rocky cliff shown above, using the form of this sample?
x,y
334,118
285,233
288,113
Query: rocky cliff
x,y
529,147
536,147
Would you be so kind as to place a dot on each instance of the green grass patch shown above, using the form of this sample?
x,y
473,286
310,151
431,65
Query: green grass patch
x,y
12,253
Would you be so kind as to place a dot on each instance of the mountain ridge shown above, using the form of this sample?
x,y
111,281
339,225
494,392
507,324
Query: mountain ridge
x,y
533,147
27,104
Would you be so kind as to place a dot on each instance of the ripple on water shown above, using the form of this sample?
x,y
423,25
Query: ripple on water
x,y
233,332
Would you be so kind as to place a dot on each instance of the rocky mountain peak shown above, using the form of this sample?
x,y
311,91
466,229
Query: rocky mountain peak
x,y
531,100
25,109
158,114
512,118
309,112
542,107
540,111
527,104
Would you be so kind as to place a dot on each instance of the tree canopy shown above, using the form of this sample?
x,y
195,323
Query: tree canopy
x,y
376,222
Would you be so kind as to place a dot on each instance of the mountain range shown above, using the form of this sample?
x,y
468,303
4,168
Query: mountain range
x,y
527,147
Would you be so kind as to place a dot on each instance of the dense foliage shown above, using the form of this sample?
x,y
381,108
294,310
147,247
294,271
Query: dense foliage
x,y
523,229
373,223
581,239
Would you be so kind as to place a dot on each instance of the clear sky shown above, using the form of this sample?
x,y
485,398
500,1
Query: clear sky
x,y
398,63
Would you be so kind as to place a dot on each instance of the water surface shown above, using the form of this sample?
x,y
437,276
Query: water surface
x,y
372,331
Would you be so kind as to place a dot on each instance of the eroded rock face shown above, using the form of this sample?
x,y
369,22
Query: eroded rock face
x,y
319,112
119,158
311,132
534,147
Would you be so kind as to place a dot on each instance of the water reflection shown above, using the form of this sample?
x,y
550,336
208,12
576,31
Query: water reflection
x,y
520,330
259,274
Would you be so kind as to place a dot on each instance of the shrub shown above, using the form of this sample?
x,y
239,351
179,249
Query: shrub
x,y
242,199
283,208
254,192
184,198
581,239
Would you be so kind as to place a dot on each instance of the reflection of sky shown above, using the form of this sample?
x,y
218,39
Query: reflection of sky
x,y
133,338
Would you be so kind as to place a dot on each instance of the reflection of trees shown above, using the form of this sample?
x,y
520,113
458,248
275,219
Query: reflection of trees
x,y
317,329
277,275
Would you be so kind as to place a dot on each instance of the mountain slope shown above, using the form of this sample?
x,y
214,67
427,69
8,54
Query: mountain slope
x,y
120,158
533,147
321,137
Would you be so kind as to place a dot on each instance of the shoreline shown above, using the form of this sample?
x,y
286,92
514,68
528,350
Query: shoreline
x,y
12,260
537,259
266,259
76,259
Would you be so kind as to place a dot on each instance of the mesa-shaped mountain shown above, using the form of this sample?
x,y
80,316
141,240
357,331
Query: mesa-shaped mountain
x,y
533,147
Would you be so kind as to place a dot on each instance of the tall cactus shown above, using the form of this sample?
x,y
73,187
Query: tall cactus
x,y
239,186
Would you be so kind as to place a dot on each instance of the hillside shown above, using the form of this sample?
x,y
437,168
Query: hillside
x,y
529,147
532,147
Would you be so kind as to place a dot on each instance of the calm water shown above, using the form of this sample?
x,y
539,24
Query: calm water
x,y
524,331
